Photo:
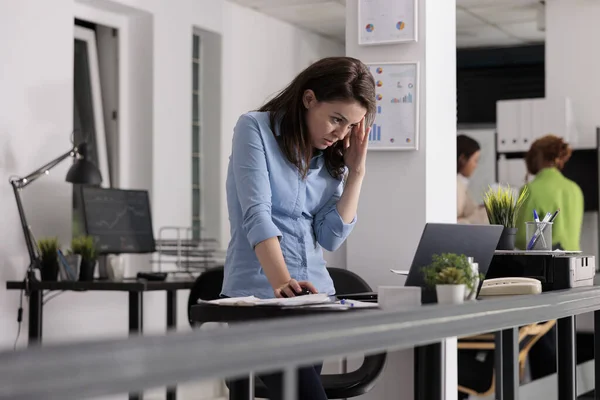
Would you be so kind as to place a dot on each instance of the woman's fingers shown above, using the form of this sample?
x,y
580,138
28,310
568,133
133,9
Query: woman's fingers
x,y
311,288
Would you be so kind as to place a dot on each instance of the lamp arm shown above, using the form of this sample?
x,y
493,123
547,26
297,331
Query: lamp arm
x,y
20,183
23,182
25,226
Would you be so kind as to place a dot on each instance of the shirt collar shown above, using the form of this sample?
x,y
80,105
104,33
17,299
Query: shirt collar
x,y
463,179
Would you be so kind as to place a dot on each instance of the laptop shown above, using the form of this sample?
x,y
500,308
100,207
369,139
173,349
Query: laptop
x,y
477,241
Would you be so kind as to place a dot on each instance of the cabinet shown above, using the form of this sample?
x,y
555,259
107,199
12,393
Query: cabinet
x,y
520,122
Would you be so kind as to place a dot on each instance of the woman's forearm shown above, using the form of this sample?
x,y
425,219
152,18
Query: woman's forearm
x,y
348,203
272,262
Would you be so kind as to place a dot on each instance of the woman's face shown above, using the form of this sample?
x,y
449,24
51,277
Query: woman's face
x,y
470,164
329,122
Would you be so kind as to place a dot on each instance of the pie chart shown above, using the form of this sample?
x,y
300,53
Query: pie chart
x,y
400,25
370,27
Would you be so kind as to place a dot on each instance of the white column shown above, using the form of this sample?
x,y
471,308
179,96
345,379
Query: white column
x,y
572,65
572,61
404,190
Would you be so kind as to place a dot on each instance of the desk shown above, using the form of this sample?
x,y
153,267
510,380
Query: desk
x,y
429,373
135,288
337,386
105,366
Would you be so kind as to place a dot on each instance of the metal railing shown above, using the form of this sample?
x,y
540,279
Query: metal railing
x,y
87,369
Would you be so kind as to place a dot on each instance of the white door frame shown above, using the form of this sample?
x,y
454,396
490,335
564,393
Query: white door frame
x,y
89,37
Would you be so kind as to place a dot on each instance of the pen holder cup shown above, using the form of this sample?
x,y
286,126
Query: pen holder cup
x,y
539,235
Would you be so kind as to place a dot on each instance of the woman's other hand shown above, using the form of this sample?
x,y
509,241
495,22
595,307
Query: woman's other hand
x,y
292,287
355,148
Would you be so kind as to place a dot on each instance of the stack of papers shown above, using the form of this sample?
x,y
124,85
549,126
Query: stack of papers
x,y
309,299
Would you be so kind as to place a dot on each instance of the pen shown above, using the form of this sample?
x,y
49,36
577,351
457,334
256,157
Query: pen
x,y
551,220
535,216
66,265
554,216
347,302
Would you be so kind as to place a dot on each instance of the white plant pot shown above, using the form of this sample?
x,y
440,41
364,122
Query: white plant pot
x,y
450,294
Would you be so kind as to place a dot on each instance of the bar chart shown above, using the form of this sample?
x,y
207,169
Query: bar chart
x,y
375,133
396,116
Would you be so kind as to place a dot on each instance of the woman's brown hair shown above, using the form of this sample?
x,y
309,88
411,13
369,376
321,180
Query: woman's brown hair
x,y
547,151
331,79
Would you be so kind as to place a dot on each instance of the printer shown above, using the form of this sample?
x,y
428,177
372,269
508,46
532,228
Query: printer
x,y
554,269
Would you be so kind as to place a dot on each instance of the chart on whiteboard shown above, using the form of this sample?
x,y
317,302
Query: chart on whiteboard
x,y
386,21
395,123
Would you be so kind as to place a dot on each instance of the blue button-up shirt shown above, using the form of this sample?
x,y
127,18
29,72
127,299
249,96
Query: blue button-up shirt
x,y
267,197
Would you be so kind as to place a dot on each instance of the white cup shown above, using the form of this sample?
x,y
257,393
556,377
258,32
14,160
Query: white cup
x,y
397,297
115,268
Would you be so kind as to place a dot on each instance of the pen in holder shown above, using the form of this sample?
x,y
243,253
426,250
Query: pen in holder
x,y
539,235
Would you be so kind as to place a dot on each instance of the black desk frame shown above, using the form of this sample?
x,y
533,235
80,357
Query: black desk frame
x,y
135,289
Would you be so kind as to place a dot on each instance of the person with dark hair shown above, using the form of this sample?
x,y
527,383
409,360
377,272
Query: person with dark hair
x,y
293,185
467,158
548,192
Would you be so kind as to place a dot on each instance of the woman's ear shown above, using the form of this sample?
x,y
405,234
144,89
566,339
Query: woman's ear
x,y
309,98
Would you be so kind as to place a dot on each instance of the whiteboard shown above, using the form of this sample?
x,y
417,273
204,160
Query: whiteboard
x,y
396,125
387,21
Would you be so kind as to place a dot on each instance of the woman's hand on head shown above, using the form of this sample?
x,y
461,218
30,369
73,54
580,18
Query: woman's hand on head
x,y
292,287
355,148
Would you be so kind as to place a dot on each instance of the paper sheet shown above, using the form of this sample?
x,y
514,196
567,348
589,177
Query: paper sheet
x,y
285,302
399,272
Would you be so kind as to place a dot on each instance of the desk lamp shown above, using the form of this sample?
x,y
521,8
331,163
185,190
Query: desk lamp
x,y
82,172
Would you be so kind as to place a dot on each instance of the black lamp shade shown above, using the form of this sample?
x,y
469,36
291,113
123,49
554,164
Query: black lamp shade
x,y
83,171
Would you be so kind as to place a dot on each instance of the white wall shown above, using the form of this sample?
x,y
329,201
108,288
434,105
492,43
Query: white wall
x,y
260,56
571,67
254,73
404,190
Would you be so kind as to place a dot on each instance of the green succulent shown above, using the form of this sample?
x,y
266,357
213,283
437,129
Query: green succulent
x,y
450,269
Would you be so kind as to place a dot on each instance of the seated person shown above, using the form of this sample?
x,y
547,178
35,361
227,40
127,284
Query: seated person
x,y
468,210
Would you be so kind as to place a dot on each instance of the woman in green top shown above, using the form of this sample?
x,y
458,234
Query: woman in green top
x,y
551,191
548,192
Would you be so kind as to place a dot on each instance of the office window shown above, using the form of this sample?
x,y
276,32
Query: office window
x,y
88,113
197,205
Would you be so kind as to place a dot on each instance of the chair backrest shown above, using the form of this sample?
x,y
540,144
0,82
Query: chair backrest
x,y
207,287
347,282
337,386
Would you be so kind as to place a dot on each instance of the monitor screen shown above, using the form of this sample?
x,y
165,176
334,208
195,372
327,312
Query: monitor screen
x,y
119,220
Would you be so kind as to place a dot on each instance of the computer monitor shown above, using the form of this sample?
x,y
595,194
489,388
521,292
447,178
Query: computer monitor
x,y
120,221
477,241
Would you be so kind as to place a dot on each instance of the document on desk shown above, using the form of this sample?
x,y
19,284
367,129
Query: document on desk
x,y
399,272
309,299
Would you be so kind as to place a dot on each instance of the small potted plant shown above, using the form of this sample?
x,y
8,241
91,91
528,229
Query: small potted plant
x,y
451,275
85,247
49,258
502,208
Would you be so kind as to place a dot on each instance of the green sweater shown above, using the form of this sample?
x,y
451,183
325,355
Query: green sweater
x,y
548,192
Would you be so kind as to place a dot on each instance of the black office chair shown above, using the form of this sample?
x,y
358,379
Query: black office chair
x,y
337,386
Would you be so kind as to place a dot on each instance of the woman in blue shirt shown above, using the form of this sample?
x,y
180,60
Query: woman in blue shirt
x,y
293,184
